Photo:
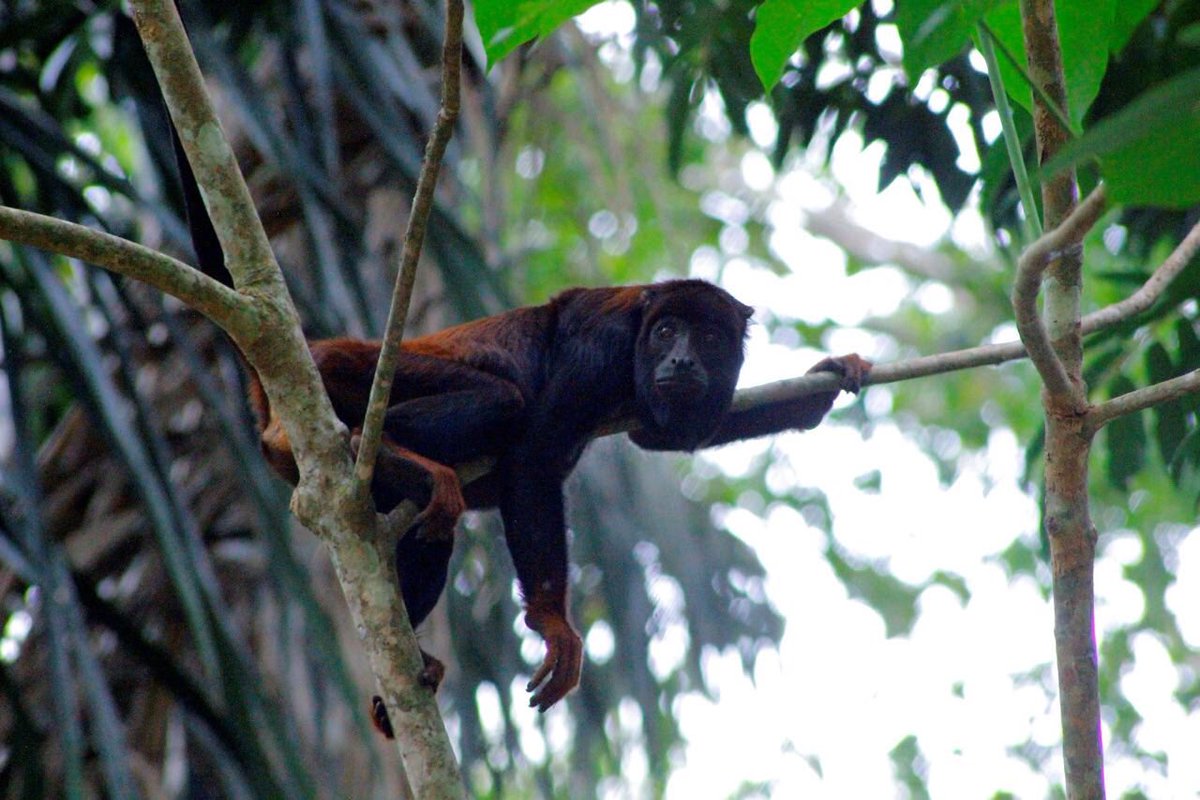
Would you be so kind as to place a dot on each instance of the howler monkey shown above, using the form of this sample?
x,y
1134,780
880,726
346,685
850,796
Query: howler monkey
x,y
529,388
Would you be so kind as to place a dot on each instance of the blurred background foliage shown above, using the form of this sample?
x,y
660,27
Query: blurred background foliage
x,y
169,631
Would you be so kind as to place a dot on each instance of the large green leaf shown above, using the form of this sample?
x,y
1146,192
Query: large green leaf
x,y
1087,29
934,31
1148,149
505,25
1128,14
782,25
1161,169
1169,420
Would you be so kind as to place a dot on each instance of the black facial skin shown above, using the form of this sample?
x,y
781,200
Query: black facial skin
x,y
687,362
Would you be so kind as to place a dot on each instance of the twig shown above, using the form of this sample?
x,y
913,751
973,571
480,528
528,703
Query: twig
x,y
414,237
1141,399
1030,268
1150,291
218,302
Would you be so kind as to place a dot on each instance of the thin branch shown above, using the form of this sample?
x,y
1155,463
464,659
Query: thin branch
x,y
218,302
1030,269
1141,399
955,360
414,237
1150,291
836,224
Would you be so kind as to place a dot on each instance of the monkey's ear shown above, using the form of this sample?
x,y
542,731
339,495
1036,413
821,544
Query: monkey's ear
x,y
747,311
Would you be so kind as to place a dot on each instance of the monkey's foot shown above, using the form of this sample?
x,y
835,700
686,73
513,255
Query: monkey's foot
x,y
852,369
437,520
401,474
432,673
430,676
560,670
380,718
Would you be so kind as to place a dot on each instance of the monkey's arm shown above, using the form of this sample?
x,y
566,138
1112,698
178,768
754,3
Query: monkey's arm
x,y
531,504
802,413
535,530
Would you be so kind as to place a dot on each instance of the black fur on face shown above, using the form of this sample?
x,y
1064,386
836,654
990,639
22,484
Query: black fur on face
x,y
688,355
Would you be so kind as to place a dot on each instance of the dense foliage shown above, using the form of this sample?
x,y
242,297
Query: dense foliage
x,y
153,588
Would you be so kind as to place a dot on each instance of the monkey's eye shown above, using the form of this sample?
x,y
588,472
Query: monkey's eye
x,y
665,331
710,337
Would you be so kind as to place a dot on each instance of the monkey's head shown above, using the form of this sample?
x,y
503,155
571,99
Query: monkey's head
x,y
688,355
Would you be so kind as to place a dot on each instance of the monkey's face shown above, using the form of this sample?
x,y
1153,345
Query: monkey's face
x,y
689,354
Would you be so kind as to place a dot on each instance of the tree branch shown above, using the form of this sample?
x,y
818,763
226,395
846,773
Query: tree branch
x,y
247,252
1150,291
955,360
414,237
218,302
1030,269
835,223
1066,516
1141,399
327,499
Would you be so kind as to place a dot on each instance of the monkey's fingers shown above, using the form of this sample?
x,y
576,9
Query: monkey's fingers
x,y
852,369
855,369
559,672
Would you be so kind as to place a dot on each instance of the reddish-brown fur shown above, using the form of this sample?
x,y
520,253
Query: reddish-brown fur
x,y
529,388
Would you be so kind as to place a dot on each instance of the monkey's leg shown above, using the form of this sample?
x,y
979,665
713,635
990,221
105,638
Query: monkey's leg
x,y
402,474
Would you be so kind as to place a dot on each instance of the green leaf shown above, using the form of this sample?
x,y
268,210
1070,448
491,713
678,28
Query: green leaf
x,y
1128,14
933,31
1189,345
1162,169
1169,420
1086,27
505,25
1126,440
1005,23
1148,149
780,28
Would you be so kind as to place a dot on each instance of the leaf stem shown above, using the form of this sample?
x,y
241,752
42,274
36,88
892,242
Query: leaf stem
x,y
1039,91
1012,139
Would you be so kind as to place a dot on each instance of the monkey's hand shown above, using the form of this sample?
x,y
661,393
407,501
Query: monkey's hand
x,y
559,672
852,369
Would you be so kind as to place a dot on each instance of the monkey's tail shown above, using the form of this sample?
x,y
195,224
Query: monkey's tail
x,y
210,258
209,254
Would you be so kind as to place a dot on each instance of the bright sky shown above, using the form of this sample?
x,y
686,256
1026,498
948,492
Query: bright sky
x,y
821,715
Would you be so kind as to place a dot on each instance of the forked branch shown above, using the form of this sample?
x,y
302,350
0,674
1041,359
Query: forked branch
x,y
218,302
1141,399
1030,269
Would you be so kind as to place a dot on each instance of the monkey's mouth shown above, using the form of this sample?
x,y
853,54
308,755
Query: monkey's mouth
x,y
679,387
